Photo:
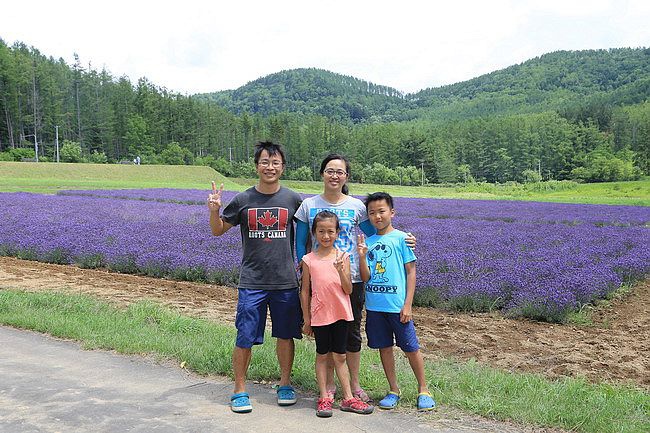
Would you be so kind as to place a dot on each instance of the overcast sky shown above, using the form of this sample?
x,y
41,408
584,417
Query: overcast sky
x,y
193,46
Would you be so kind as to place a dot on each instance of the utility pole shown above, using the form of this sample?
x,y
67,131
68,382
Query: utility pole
x,y
34,107
423,174
56,141
230,155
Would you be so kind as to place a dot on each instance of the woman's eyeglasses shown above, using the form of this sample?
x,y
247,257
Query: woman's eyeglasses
x,y
332,172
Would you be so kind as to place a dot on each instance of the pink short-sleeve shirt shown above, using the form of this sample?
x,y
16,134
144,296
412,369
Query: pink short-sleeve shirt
x,y
329,303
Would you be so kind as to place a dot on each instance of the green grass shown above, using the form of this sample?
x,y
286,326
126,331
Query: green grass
x,y
49,178
206,347
634,193
583,316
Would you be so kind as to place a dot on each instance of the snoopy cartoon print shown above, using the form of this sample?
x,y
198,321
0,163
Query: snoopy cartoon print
x,y
378,255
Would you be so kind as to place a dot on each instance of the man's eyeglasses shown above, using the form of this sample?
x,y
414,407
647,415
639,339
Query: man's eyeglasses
x,y
275,163
332,172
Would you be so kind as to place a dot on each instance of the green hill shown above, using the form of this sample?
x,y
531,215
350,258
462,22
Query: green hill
x,y
555,81
315,91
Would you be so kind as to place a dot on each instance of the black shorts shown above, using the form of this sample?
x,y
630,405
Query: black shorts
x,y
331,338
357,298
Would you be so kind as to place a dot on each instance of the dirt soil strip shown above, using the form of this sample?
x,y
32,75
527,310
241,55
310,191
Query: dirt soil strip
x,y
615,349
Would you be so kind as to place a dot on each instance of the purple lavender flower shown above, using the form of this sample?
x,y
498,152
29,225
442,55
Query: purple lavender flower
x,y
539,260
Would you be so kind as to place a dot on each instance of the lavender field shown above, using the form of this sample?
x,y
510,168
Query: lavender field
x,y
538,260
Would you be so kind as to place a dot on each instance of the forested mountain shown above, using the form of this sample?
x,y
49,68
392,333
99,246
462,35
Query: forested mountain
x,y
566,115
562,80
578,72
315,91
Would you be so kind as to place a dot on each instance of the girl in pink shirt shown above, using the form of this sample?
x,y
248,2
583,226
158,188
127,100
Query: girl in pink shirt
x,y
325,299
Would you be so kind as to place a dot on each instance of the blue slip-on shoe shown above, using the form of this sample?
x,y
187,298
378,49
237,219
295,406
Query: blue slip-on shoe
x,y
241,403
390,401
425,401
286,395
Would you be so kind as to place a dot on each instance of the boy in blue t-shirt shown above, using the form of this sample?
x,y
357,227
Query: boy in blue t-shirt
x,y
387,265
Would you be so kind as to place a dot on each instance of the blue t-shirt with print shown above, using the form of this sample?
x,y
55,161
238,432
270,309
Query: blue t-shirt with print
x,y
387,255
351,213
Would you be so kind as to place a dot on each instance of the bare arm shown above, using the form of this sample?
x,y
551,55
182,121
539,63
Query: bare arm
x,y
305,300
217,225
406,314
362,248
411,240
342,265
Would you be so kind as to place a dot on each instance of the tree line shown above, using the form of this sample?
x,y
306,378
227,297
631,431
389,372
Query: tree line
x,y
102,118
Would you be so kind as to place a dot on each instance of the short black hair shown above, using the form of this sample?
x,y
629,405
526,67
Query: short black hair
x,y
324,215
377,196
272,149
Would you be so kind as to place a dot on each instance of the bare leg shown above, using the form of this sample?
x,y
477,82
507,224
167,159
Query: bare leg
x,y
343,374
354,361
417,365
241,359
284,349
321,373
330,384
388,362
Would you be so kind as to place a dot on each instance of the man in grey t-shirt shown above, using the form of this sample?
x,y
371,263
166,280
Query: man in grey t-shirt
x,y
265,214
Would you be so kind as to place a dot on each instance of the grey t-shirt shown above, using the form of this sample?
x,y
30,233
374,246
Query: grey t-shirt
x,y
351,213
266,224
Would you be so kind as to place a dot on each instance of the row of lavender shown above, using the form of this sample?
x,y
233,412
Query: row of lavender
x,y
508,211
533,270
473,255
148,237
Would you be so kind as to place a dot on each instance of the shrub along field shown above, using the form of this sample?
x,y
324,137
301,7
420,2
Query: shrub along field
x,y
633,193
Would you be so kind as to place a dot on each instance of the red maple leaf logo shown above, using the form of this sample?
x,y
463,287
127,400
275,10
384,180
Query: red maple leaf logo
x,y
267,219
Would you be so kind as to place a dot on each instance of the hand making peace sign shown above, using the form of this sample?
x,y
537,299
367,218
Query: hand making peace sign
x,y
338,261
362,248
214,199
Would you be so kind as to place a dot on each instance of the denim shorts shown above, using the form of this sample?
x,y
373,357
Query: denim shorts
x,y
384,329
252,304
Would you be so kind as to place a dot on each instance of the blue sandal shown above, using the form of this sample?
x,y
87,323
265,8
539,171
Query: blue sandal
x,y
390,401
425,401
286,395
241,403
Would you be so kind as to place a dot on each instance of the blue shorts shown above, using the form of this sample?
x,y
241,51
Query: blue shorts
x,y
286,315
382,327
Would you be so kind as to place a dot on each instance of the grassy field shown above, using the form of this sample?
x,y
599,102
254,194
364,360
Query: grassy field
x,y
634,193
49,178
205,347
